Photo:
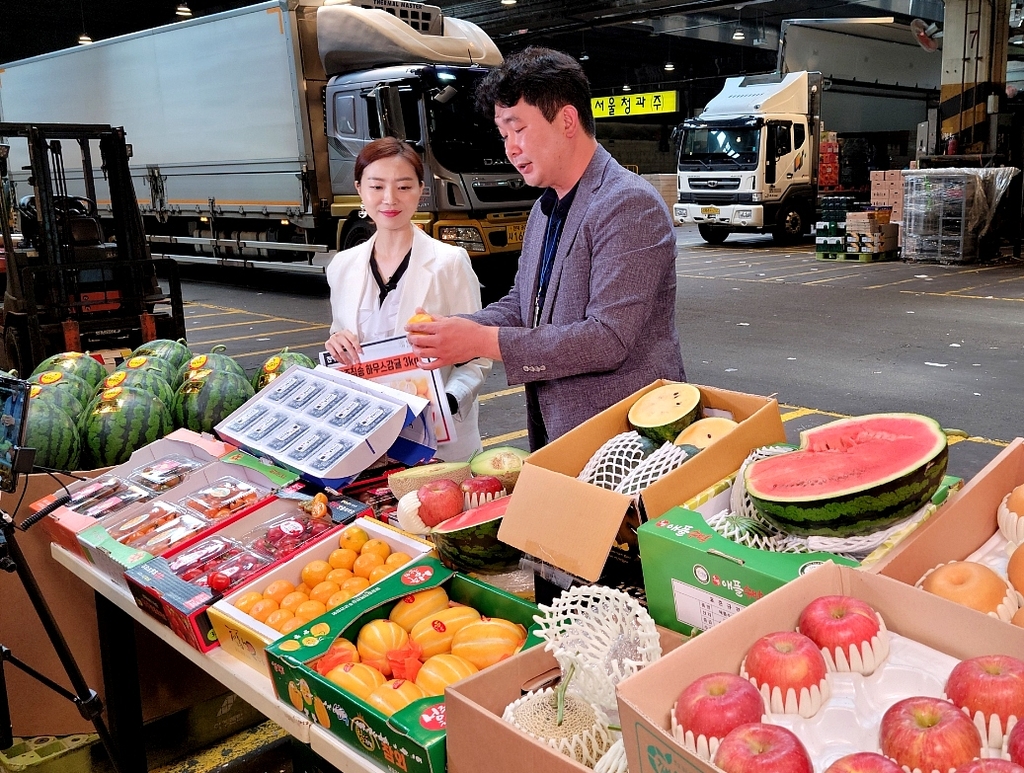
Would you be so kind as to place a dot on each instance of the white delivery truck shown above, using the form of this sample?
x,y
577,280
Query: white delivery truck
x,y
245,126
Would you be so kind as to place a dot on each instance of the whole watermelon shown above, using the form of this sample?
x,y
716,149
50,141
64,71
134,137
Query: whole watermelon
x,y
157,365
175,352
202,403
202,365
60,379
278,364
149,381
57,398
54,435
75,363
121,420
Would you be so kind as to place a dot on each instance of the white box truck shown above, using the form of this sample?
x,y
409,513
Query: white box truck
x,y
245,126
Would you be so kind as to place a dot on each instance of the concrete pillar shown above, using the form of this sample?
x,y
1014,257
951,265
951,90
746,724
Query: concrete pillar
x,y
975,36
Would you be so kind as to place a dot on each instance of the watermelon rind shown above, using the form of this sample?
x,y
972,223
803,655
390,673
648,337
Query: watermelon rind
x,y
54,436
469,541
149,381
664,412
157,365
175,352
58,398
202,403
75,363
201,365
120,421
277,364
62,379
796,497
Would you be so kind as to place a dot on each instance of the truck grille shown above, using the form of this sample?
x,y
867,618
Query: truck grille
x,y
715,198
497,193
720,184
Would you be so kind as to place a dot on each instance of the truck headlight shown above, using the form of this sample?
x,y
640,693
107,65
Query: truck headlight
x,y
744,213
681,212
470,239
756,196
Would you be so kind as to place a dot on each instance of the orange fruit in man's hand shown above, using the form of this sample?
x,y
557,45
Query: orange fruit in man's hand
x,y
416,319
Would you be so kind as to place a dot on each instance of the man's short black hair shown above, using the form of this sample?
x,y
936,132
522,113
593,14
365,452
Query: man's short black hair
x,y
547,79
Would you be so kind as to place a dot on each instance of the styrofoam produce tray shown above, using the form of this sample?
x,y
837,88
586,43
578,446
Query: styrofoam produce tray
x,y
850,719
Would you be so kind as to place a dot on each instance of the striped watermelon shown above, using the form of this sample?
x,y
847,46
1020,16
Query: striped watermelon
x,y
53,434
149,381
202,365
157,365
852,476
121,420
175,352
58,398
202,403
278,364
60,379
469,541
75,363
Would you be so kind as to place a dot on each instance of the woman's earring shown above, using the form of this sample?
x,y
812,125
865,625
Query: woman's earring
x,y
362,210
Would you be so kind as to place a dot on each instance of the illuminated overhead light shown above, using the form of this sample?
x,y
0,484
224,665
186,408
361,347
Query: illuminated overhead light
x,y
84,40
669,67
508,2
626,88
584,57
183,10
739,34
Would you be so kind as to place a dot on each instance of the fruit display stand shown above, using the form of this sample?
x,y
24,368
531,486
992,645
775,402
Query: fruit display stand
x,y
245,637
925,621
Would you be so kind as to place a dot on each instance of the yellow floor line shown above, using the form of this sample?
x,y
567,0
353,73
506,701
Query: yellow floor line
x,y
797,414
215,314
957,294
275,333
498,440
500,393
276,349
261,321
253,313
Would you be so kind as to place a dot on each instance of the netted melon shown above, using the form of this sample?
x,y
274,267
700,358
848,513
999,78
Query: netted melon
x,y
663,413
583,733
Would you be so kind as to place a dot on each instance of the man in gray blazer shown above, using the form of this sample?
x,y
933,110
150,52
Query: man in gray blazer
x,y
590,318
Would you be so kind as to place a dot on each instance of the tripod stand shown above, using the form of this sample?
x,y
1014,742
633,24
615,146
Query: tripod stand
x,y
89,705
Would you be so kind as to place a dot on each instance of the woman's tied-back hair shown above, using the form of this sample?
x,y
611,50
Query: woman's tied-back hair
x,y
547,79
386,147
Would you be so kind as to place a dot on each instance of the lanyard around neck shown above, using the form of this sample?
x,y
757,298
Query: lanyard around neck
x,y
384,288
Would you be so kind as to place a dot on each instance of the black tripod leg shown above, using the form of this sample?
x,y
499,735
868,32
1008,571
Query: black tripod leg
x,y
119,660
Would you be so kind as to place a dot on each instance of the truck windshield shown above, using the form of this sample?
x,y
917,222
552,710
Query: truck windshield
x,y
462,139
719,147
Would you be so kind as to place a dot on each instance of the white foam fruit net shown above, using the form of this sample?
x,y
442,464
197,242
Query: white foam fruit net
x,y
661,462
614,460
583,735
606,634
614,760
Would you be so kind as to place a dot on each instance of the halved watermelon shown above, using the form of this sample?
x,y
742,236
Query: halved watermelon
x,y
663,413
469,541
852,476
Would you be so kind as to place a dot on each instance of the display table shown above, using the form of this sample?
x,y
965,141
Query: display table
x,y
125,719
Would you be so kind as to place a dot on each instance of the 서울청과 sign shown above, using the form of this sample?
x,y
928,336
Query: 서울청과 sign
x,y
647,103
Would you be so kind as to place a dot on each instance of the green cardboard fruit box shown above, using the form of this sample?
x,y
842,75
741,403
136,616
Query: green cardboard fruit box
x,y
413,739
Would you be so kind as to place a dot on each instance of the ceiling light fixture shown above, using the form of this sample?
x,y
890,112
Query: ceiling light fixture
x,y
84,40
183,10
508,2
584,56
669,67
739,34
626,87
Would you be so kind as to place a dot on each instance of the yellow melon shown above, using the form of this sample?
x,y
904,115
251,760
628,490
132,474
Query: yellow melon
x,y
411,609
357,678
435,632
440,671
376,639
395,695
488,640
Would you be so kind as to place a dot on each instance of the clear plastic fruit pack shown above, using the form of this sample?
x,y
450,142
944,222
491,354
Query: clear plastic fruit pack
x,y
158,528
224,497
165,473
285,534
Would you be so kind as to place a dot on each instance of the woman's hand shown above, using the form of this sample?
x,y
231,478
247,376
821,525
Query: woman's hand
x,y
344,347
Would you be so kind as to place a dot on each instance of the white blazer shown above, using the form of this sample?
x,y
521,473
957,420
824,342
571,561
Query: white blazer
x,y
441,281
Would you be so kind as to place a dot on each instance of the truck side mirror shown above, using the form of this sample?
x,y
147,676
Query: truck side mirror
x,y
389,111
770,157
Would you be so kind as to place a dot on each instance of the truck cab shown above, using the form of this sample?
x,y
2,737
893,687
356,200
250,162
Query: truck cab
x,y
748,163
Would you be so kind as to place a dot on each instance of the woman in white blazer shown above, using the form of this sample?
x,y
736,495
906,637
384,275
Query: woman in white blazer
x,y
378,285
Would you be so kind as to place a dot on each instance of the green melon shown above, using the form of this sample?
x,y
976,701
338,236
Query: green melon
x,y
404,481
503,462
202,403
202,365
58,398
54,436
75,363
278,364
664,412
149,381
175,352
469,541
156,365
61,379
852,476
120,421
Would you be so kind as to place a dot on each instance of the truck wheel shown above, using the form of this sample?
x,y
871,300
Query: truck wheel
x,y
356,232
713,234
790,225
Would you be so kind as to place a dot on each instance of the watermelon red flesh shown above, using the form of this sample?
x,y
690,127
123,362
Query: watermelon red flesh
x,y
853,476
469,541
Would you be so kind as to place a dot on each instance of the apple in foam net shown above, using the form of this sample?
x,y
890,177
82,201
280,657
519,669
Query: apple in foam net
x,y
787,660
439,501
839,623
990,684
991,765
1015,743
481,489
928,734
759,748
715,704
864,762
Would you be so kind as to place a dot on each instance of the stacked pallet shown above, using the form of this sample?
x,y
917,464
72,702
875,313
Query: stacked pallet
x,y
887,191
828,160
871,236
830,228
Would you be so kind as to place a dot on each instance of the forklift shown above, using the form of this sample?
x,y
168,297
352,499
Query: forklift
x,y
76,282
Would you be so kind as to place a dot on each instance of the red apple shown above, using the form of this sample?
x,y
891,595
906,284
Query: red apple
x,y
1015,743
989,684
713,705
481,489
439,501
757,748
991,765
790,672
844,627
928,734
864,762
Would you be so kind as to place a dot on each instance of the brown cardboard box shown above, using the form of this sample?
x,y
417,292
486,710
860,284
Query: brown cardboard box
x,y
573,525
963,525
480,740
646,699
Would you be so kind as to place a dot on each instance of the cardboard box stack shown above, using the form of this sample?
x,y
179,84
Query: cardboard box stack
x,y
830,228
887,191
828,160
872,233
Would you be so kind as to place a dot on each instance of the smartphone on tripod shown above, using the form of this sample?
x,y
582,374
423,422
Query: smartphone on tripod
x,y
13,415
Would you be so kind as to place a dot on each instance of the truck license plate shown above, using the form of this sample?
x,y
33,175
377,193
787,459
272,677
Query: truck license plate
x,y
710,211
515,233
